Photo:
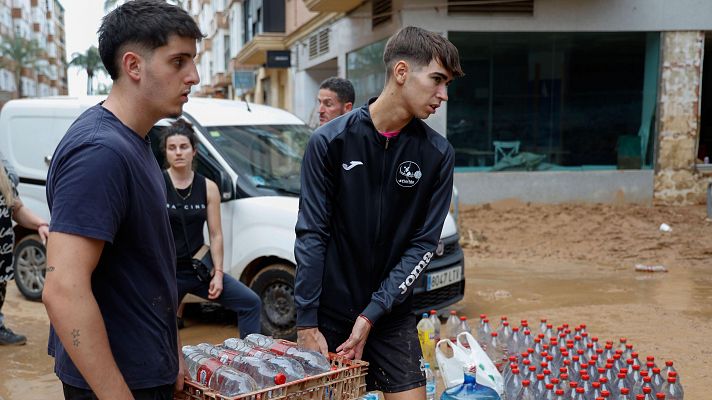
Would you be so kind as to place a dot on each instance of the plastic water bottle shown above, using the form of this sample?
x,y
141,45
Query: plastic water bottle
x,y
669,368
429,383
526,392
426,336
229,382
436,325
314,363
369,396
483,332
495,350
451,326
463,326
624,394
672,389
470,390
210,372
292,369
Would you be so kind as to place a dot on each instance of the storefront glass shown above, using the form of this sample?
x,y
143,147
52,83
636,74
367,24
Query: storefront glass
x,y
365,70
536,101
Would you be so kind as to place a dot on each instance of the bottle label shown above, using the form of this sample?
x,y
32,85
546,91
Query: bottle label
x,y
226,356
205,371
430,388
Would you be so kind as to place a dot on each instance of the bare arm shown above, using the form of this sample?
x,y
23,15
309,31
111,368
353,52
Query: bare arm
x,y
216,239
75,314
25,217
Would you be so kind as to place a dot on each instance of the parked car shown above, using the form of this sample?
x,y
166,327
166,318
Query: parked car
x,y
253,152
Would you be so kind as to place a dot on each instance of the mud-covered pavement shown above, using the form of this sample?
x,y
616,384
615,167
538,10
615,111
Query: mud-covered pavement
x,y
570,263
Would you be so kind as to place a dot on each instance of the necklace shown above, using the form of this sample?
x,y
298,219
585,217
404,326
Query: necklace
x,y
190,189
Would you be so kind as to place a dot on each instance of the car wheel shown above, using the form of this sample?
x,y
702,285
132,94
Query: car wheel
x,y
30,266
275,286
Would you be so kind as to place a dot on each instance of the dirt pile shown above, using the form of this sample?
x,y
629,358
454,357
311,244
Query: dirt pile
x,y
614,235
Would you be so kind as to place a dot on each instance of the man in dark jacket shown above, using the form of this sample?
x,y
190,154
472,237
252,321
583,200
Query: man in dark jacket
x,y
376,187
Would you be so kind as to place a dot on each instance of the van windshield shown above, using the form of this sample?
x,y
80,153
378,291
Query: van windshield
x,y
269,156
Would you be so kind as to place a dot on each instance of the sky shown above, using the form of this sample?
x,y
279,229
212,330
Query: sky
x,y
81,21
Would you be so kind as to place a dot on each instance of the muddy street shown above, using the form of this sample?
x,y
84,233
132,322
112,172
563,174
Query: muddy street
x,y
525,262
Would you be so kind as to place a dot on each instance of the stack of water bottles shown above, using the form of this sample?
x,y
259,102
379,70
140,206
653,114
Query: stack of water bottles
x,y
258,362
565,363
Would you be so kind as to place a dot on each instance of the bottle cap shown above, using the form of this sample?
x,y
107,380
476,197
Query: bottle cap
x,y
668,363
433,312
453,312
463,318
625,390
280,379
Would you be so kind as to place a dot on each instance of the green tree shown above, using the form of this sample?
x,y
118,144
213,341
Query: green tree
x,y
19,53
91,63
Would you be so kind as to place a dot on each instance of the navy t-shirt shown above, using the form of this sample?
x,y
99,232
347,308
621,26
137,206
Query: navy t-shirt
x,y
104,183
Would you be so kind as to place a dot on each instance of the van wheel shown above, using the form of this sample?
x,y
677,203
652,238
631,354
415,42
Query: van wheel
x,y
30,266
275,286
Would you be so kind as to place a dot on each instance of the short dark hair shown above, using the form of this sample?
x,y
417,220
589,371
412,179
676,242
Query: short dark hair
x,y
179,127
420,47
145,23
342,87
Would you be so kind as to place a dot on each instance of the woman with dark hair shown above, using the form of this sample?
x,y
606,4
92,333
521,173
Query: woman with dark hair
x,y
194,200
11,208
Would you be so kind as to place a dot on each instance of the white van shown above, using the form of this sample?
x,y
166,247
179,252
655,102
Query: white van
x,y
253,152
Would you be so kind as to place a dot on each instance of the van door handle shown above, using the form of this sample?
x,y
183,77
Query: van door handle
x,y
48,160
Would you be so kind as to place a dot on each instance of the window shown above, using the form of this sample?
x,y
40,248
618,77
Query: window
x,y
365,70
563,100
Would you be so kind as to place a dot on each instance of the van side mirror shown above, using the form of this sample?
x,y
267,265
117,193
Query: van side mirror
x,y
227,190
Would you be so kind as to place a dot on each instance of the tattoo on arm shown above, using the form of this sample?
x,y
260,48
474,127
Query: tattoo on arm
x,y
50,268
75,336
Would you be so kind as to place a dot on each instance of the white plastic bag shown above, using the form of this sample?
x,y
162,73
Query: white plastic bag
x,y
487,373
452,368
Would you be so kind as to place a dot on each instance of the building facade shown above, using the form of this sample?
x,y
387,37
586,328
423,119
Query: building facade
x,y
576,101
42,22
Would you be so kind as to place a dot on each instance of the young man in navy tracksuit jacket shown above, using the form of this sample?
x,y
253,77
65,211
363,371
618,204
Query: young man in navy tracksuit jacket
x,y
376,187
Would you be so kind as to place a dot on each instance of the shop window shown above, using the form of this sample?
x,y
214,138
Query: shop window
x,y
366,71
563,100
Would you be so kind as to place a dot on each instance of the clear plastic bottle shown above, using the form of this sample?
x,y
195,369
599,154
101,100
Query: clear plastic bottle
x,y
672,389
451,325
463,326
437,326
229,382
314,363
429,383
670,368
210,372
657,380
483,331
513,385
495,350
624,394
526,392
426,336
290,367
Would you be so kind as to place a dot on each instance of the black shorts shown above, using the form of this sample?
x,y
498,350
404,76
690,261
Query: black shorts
x,y
392,351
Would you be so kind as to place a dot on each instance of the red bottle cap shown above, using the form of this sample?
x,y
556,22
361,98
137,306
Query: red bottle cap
x,y
280,379
668,363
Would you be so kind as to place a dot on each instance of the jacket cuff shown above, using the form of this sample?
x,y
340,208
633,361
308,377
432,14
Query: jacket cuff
x,y
307,318
373,312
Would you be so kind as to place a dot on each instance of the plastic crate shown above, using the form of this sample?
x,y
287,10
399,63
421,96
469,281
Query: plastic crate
x,y
346,382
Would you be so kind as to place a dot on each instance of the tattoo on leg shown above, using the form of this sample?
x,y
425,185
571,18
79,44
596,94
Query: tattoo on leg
x,y
75,336
50,268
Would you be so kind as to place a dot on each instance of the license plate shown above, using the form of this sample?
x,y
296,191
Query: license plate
x,y
443,278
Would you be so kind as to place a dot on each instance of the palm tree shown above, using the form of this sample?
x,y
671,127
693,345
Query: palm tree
x,y
91,63
19,53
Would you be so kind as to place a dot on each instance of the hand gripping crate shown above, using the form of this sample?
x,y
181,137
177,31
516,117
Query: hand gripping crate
x,y
346,382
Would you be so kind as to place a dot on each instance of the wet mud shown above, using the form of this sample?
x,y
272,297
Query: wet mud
x,y
570,264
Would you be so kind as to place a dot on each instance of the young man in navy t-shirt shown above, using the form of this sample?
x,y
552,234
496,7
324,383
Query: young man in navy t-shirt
x,y
110,288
